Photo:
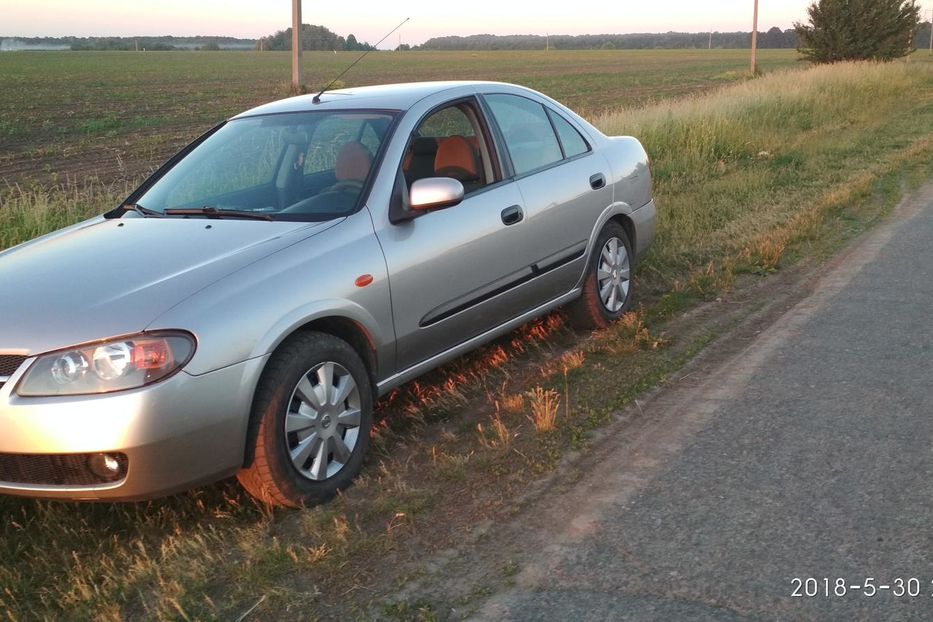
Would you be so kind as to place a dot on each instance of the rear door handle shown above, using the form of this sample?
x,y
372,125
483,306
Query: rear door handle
x,y
512,215
597,181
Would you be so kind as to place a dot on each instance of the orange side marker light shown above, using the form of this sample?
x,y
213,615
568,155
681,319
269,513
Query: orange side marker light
x,y
363,280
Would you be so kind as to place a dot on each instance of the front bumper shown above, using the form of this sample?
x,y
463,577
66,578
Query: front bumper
x,y
176,434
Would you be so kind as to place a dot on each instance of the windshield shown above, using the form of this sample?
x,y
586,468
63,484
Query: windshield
x,y
299,166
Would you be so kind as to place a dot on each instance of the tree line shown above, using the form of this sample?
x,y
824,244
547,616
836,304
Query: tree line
x,y
773,38
829,21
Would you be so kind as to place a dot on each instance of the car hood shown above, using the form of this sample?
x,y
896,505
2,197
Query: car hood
x,y
106,278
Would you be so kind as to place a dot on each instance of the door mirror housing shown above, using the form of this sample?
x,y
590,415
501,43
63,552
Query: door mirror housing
x,y
435,193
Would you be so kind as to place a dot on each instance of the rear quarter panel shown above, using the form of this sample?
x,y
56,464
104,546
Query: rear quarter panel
x,y
631,175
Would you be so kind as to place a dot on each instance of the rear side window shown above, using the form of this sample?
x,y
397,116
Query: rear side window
x,y
570,138
529,136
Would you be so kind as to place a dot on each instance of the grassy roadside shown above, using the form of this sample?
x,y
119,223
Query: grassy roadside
x,y
748,180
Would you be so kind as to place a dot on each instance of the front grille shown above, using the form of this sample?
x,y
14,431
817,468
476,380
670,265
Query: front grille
x,y
53,470
9,363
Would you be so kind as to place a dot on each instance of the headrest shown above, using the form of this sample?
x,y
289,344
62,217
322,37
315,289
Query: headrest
x,y
455,153
353,162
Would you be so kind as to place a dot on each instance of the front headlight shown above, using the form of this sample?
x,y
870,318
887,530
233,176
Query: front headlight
x,y
113,365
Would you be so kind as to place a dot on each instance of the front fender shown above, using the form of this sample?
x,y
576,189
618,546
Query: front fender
x,y
247,314
319,310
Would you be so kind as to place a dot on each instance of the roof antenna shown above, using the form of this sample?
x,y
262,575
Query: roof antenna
x,y
317,98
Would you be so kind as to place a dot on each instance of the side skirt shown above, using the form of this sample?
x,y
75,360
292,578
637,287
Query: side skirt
x,y
439,359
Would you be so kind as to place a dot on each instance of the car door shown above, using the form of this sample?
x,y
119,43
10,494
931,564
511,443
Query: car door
x,y
456,273
563,182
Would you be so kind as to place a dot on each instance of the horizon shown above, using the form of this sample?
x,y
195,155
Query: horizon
x,y
761,29
247,19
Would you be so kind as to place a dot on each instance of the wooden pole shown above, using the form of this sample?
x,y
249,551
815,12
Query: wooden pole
x,y
296,46
755,41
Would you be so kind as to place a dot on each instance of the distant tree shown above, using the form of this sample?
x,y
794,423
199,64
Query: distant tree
x,y
352,44
608,45
313,38
858,30
403,48
211,46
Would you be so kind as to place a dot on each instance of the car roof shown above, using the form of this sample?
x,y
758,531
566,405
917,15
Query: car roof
x,y
382,97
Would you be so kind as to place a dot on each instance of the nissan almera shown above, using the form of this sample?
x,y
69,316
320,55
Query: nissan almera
x,y
242,310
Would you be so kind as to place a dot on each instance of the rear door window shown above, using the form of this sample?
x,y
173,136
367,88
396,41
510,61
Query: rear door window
x,y
528,133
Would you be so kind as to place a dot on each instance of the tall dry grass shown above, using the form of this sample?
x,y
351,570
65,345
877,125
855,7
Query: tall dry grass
x,y
732,166
28,212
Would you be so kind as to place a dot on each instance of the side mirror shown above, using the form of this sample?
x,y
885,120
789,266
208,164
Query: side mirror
x,y
435,193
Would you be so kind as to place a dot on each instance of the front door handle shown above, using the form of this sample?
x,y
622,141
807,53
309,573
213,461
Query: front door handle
x,y
597,181
512,215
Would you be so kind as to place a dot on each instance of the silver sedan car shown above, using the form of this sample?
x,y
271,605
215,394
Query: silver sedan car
x,y
242,310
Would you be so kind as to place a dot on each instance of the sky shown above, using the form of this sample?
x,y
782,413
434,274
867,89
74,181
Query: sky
x,y
369,20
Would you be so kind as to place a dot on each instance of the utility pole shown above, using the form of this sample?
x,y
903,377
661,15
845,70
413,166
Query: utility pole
x,y
755,41
711,39
547,42
296,46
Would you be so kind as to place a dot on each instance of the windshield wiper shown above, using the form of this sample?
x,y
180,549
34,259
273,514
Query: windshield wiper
x,y
213,212
145,212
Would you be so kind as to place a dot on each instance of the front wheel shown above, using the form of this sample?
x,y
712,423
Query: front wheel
x,y
607,287
310,423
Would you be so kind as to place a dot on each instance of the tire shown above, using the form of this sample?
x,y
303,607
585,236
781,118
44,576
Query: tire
x,y
302,449
599,306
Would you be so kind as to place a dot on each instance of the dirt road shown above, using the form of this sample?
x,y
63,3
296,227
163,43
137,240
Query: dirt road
x,y
791,461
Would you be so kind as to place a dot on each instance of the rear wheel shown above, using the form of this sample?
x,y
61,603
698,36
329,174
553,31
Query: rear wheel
x,y
310,423
607,287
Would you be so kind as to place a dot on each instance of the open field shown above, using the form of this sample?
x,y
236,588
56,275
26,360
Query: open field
x,y
114,115
750,179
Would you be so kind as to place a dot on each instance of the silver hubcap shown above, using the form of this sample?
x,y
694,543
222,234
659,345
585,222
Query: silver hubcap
x,y
322,424
612,275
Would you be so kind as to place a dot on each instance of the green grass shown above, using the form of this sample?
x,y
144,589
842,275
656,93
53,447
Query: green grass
x,y
749,178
